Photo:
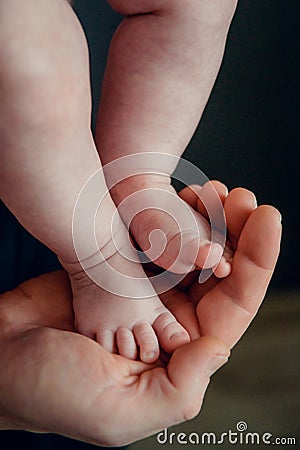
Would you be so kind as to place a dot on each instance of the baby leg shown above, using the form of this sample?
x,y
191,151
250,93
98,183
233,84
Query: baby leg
x,y
48,154
163,62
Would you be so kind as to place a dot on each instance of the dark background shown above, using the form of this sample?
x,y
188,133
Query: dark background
x,y
248,137
249,134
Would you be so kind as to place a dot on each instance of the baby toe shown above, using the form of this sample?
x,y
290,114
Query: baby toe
x,y
209,255
223,269
147,342
106,338
171,334
126,343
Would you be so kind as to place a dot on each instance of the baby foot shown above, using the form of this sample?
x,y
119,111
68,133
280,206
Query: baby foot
x,y
170,232
115,303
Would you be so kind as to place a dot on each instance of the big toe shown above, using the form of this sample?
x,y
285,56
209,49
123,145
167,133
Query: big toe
x,y
170,333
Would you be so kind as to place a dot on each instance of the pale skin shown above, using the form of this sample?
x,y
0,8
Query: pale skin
x,y
48,151
162,64
54,380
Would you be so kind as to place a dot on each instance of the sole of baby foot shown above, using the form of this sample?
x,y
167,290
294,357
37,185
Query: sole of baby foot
x,y
172,234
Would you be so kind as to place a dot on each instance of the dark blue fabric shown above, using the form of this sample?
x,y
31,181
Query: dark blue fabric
x,y
21,255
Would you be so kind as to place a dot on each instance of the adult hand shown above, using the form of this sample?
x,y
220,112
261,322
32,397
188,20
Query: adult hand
x,y
224,308
54,380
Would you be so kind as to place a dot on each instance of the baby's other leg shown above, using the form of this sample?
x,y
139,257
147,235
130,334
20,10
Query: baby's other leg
x,y
163,62
48,153
47,150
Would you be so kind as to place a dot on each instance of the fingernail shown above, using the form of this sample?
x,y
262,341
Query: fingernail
x,y
215,363
254,202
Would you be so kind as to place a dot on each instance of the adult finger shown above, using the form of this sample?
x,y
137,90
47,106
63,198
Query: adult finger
x,y
238,206
198,196
175,394
227,310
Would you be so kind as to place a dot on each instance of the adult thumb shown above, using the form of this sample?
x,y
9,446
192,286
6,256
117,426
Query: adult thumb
x,y
190,369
